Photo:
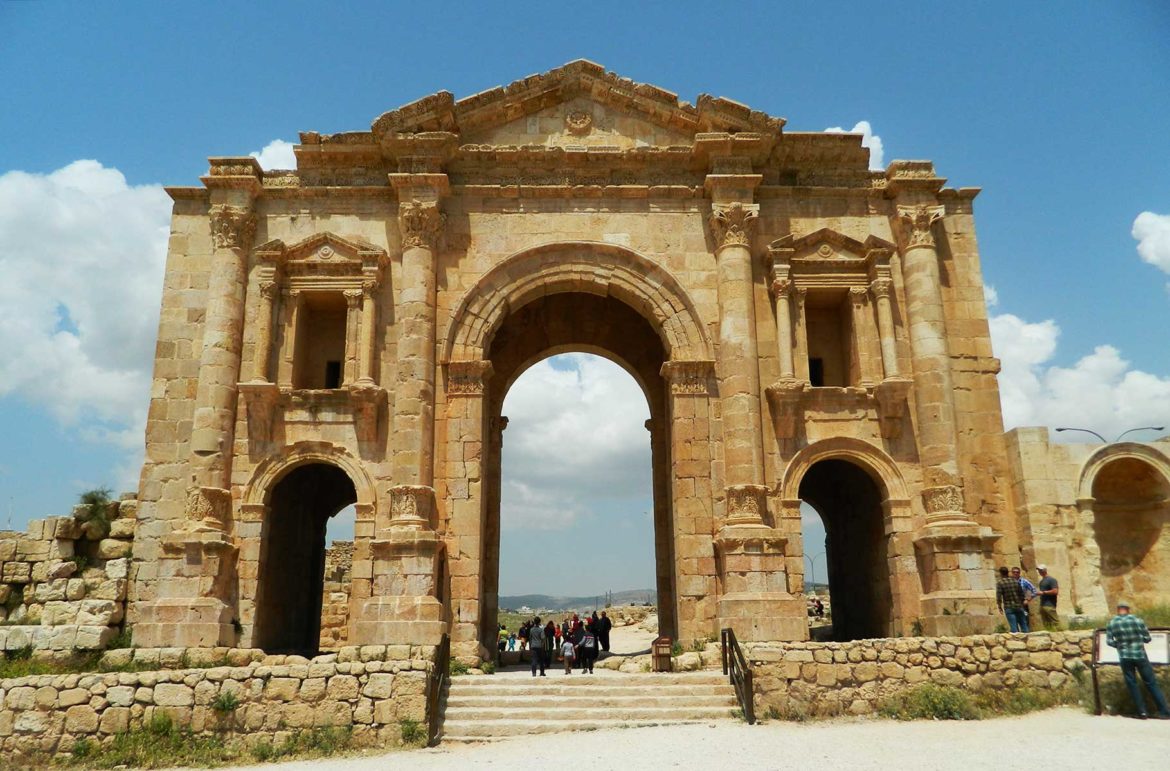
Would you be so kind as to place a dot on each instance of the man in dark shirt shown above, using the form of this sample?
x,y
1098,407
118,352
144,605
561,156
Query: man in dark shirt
x,y
1009,596
1048,591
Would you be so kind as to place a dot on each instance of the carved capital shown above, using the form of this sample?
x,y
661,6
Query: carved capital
x,y
944,505
208,508
353,297
781,287
881,287
857,293
917,223
369,287
411,506
691,378
232,227
420,223
746,504
467,378
733,224
269,290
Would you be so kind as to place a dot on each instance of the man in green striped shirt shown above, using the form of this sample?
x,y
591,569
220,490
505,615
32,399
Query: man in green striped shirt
x,y
1129,635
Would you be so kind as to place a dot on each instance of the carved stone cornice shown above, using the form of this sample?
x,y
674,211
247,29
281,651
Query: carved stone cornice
x,y
689,378
420,224
468,378
734,224
917,223
232,227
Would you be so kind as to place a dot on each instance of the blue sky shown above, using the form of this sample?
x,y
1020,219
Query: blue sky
x,y
1057,110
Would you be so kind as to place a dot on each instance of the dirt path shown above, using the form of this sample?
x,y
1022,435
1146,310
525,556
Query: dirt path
x,y
1062,738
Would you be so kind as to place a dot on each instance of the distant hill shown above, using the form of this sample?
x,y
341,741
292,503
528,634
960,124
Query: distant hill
x,y
547,602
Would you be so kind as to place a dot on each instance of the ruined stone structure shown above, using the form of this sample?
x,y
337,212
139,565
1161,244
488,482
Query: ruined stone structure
x,y
803,328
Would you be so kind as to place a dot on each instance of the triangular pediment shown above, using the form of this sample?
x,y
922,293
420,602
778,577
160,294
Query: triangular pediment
x,y
577,104
322,249
828,245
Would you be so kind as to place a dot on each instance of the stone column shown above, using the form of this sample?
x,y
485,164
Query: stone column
x,y
781,288
933,383
739,375
268,292
880,289
861,323
368,333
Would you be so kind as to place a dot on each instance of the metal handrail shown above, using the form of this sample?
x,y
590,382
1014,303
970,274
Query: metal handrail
x,y
738,672
435,683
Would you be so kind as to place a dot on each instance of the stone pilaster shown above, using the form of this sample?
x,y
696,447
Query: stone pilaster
x,y
368,333
881,289
782,289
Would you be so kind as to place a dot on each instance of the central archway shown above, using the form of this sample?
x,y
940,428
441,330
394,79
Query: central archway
x,y
577,322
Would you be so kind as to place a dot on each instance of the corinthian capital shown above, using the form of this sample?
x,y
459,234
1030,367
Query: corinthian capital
x,y
420,224
917,221
232,227
881,287
734,223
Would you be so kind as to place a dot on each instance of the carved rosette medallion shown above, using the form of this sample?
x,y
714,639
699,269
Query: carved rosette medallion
x,y
688,378
917,223
421,224
467,378
746,504
579,123
733,224
232,227
411,506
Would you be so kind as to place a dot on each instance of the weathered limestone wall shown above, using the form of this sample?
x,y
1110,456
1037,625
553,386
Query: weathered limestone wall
x,y
63,582
1098,515
370,689
335,595
838,678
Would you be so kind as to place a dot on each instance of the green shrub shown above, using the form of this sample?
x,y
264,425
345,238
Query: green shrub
x,y
97,504
226,702
121,640
1020,701
15,598
676,648
930,702
1115,698
488,667
412,732
457,667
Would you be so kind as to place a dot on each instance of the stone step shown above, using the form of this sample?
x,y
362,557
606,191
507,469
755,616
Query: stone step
x,y
458,716
565,692
536,701
491,730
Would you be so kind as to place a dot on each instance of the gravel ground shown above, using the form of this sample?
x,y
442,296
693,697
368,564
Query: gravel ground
x,y
1063,738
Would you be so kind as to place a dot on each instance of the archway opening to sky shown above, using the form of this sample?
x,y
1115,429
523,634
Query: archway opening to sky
x,y
576,517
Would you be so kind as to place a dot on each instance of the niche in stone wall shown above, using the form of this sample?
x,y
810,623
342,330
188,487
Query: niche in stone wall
x,y
319,358
830,338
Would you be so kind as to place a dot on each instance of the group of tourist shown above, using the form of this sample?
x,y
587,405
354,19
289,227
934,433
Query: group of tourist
x,y
574,640
1014,594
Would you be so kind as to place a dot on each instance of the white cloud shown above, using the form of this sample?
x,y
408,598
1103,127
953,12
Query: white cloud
x,y
576,439
990,296
1152,232
1099,392
277,154
82,253
869,140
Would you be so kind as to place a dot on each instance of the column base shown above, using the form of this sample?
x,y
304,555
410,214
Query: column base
x,y
200,622
764,617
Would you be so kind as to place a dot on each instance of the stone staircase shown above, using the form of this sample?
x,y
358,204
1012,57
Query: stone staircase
x,y
490,707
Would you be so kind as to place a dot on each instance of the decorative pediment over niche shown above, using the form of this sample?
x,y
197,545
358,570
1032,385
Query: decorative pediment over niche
x,y
827,245
574,100
323,254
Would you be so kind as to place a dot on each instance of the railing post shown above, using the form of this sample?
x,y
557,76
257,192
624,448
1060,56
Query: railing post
x,y
723,648
748,699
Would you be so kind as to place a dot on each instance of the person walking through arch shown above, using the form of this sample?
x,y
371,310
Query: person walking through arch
x,y
536,646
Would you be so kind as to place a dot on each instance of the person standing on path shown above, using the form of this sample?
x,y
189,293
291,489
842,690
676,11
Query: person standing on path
x,y
567,655
1009,596
1048,591
603,631
536,646
587,650
1129,634
550,642
1029,594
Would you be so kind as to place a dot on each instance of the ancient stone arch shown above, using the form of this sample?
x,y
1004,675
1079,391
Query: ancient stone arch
x,y
269,471
590,267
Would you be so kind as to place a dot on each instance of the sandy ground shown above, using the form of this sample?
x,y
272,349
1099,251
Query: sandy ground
x,y
1062,738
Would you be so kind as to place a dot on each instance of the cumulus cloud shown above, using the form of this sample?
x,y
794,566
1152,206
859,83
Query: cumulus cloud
x,y
1152,232
869,140
576,438
1099,392
277,154
82,252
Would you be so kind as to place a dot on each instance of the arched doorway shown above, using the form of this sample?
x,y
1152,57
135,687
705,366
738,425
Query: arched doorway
x,y
587,323
292,556
849,503
1131,506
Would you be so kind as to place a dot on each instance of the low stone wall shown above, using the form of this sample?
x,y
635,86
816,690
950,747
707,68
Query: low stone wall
x,y
369,689
63,581
335,596
820,679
